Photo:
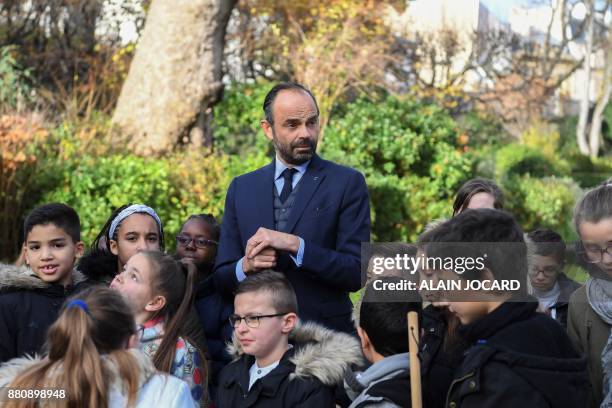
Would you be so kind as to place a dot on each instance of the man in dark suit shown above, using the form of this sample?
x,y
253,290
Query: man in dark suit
x,y
301,215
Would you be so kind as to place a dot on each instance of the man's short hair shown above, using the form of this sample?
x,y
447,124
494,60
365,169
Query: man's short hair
x,y
473,233
60,215
547,242
282,295
283,86
386,323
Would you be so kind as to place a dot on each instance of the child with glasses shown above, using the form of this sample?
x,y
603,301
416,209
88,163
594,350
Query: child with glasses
x,y
278,363
549,284
196,243
590,311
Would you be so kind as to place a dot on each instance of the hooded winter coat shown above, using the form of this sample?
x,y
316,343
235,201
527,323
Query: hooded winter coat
x,y
305,377
440,355
28,306
154,389
518,358
385,384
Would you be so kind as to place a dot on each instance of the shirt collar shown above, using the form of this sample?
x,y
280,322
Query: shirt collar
x,y
280,167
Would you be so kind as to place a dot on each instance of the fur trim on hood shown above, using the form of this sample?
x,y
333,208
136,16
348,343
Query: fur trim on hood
x,y
21,277
320,352
12,368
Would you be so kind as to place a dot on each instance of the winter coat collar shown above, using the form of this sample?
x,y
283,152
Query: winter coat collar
x,y
567,286
318,352
507,313
13,278
383,368
550,376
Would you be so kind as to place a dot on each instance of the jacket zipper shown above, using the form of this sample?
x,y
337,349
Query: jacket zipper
x,y
589,323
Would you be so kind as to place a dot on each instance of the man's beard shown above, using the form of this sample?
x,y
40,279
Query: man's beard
x,y
286,152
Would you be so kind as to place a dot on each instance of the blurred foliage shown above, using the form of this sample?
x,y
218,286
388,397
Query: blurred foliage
x,y
481,129
15,82
23,139
337,48
518,159
542,137
412,158
546,202
184,183
236,119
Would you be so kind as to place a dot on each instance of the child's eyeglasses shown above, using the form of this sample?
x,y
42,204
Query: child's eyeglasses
x,y
595,255
547,271
200,243
251,321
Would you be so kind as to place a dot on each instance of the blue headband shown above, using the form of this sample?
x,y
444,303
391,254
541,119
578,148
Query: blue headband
x,y
132,209
78,303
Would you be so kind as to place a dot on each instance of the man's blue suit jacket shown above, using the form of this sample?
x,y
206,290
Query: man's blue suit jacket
x,y
331,213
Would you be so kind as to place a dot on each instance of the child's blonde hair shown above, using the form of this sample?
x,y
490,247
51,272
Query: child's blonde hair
x,y
98,322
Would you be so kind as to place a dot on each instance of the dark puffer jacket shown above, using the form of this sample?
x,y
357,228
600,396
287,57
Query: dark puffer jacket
x,y
28,306
305,377
439,356
213,315
519,358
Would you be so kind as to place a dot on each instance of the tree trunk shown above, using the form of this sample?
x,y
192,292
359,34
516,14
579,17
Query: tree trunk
x,y
581,127
602,102
175,74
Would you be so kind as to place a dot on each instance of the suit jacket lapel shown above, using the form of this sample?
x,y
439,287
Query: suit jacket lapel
x,y
262,200
308,185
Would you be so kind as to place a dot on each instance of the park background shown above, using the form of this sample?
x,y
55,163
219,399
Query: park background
x,y
104,102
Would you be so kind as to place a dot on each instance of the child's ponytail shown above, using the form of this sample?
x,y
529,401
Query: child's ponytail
x,y
175,281
70,341
98,322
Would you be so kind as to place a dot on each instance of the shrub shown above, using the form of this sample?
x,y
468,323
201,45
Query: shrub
x,y
517,160
236,120
543,202
15,82
412,158
23,140
482,129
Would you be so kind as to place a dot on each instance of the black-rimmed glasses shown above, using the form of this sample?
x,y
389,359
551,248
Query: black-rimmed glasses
x,y
547,271
595,255
199,242
251,321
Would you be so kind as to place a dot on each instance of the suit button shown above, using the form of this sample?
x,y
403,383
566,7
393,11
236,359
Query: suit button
x,y
472,384
452,404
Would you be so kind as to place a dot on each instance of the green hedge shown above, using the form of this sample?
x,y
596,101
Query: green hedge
x,y
411,158
543,202
517,160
